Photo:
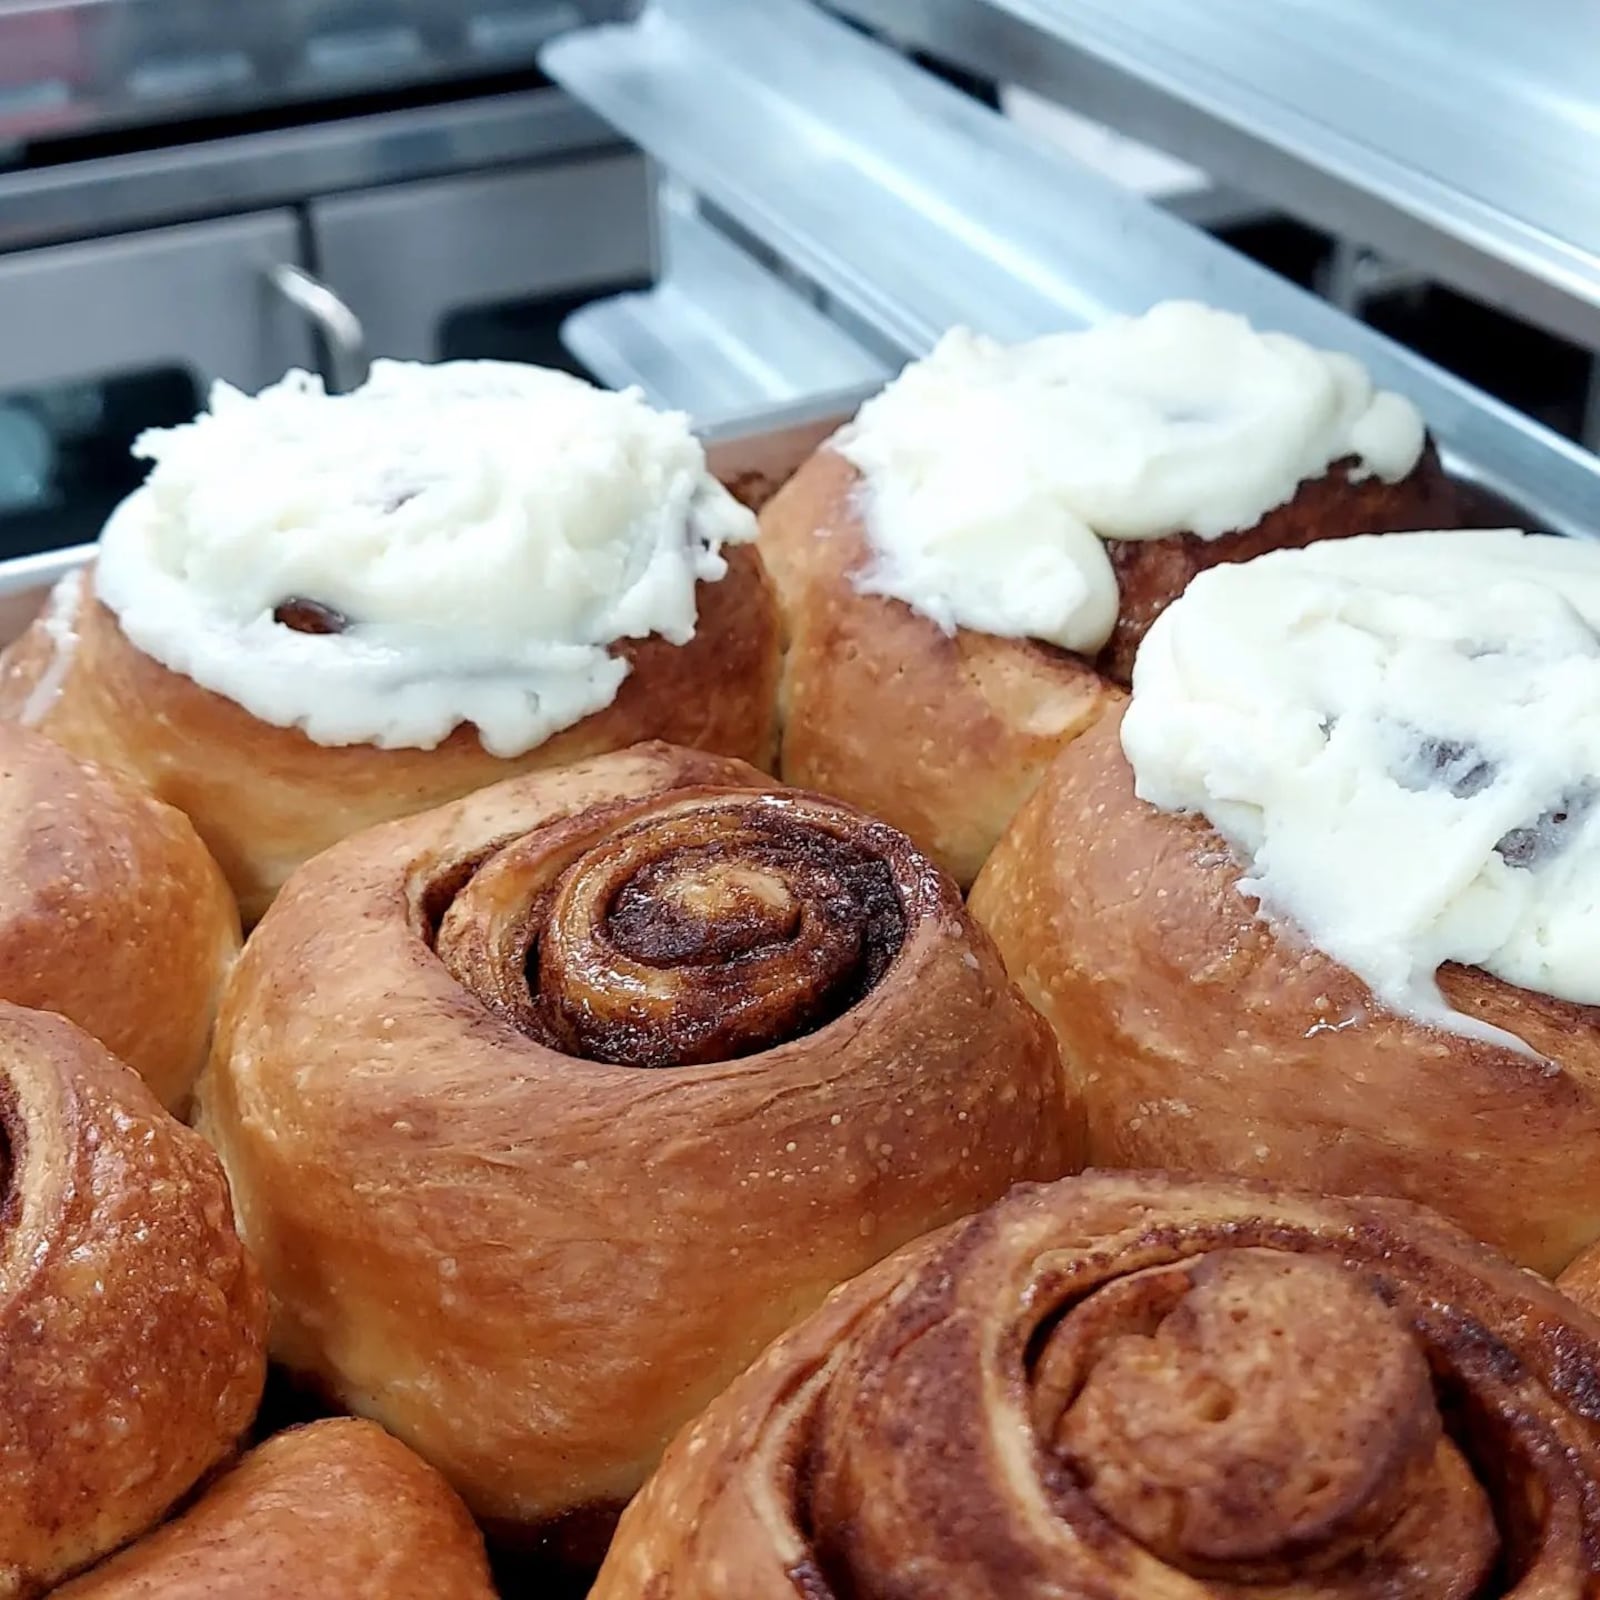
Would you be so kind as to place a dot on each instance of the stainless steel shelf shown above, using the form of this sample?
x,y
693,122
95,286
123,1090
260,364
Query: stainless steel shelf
x,y
1462,136
917,208
154,187
79,66
719,337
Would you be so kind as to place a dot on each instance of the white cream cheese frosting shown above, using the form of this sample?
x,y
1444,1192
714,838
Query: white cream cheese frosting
x,y
1399,736
487,531
994,473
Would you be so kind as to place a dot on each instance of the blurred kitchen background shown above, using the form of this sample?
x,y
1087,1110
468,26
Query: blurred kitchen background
x,y
195,189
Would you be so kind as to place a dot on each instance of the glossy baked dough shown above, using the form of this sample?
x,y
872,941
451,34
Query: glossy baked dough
x,y
943,735
334,1511
266,798
1135,1385
546,1110
132,1326
111,912
1205,1038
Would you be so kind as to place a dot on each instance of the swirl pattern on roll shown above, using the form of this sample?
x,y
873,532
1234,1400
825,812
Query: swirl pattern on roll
x,y
1140,1384
619,1070
710,930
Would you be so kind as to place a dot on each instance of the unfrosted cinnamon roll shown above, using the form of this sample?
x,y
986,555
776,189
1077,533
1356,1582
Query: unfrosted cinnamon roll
x,y
546,1110
1138,1384
966,570
337,1510
322,612
132,1325
111,912
1323,905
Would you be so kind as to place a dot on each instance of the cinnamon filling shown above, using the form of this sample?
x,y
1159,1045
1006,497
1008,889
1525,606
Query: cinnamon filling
x,y
11,1135
716,929
1219,1404
310,616
1253,1417
751,489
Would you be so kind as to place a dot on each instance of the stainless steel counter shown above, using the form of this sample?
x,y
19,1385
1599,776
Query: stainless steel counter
x,y
1461,136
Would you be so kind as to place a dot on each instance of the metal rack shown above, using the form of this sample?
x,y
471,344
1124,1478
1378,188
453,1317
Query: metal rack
x,y
914,208
718,336
1462,138
73,67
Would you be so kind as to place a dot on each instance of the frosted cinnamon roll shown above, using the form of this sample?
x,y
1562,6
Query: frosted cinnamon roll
x,y
616,1071
132,1326
1323,904
336,1509
111,912
966,570
1136,1384
322,612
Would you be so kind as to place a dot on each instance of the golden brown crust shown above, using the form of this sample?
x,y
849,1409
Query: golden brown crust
x,y
1581,1279
941,735
266,798
533,1267
1133,1384
335,1509
131,1323
944,735
1206,1039
1152,573
111,912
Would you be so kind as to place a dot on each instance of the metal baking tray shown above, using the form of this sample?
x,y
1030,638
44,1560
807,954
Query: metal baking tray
x,y
753,457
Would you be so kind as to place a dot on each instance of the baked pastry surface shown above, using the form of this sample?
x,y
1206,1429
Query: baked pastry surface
x,y
545,1110
132,1325
1204,1037
333,1509
111,912
1141,1384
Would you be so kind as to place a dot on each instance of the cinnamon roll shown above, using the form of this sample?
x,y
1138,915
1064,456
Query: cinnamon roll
x,y
966,570
1130,1385
546,1110
336,1509
111,912
132,1325
322,612
1322,905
